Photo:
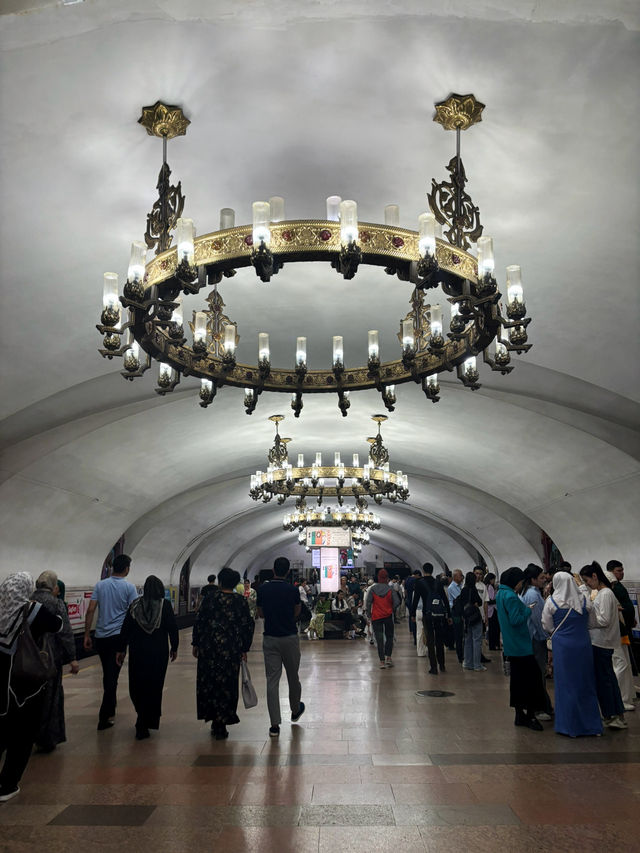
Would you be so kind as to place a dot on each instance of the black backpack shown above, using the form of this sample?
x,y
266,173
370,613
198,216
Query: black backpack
x,y
433,602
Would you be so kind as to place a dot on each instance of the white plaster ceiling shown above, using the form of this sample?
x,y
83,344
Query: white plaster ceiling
x,y
303,100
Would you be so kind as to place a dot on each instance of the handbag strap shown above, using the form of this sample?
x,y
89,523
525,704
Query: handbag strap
x,y
564,619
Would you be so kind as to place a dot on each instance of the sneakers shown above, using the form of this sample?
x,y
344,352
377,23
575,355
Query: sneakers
x,y
479,669
383,665
628,707
544,717
388,663
296,717
274,731
8,793
616,723
535,725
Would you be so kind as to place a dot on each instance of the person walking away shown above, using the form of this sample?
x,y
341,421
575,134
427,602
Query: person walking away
x,y
622,657
471,603
484,608
409,586
531,595
565,616
112,597
435,616
148,629
525,686
493,625
279,605
382,601
222,636
20,710
206,589
62,647
455,605
605,637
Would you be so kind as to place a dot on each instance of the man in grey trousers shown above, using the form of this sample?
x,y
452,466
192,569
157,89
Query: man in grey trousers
x,y
279,604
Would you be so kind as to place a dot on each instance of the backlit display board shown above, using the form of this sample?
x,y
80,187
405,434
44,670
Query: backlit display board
x,y
328,537
329,569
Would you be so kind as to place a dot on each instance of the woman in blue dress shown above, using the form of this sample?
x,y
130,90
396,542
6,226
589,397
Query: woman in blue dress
x,y
566,616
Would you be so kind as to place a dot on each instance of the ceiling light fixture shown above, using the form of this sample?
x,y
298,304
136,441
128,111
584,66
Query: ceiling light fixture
x,y
146,322
358,520
374,479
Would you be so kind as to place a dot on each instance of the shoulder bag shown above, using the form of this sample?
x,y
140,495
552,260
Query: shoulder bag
x,y
32,666
249,696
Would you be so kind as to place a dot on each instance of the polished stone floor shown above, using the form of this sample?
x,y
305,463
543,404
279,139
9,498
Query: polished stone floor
x,y
370,767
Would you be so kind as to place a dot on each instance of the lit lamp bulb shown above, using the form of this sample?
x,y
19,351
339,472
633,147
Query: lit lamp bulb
x,y
301,351
392,214
333,208
199,327
185,237
176,314
110,290
132,357
336,458
515,294
137,261
263,347
276,206
206,386
427,234
319,459
300,460
338,351
356,460
165,374
470,365
436,321
408,337
348,222
230,338
248,395
374,346
432,381
486,264
261,218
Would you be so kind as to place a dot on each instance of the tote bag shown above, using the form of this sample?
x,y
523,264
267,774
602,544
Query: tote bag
x,y
249,696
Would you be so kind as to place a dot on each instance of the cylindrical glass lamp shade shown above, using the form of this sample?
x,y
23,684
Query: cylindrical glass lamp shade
x,y
514,285
333,208
319,459
264,353
276,205
137,261
374,346
504,335
227,218
501,349
348,222
301,350
176,314
392,214
110,290
336,458
338,350
470,364
165,372
230,338
185,236
408,337
206,385
199,326
485,256
455,310
261,218
427,234
300,460
248,394
436,321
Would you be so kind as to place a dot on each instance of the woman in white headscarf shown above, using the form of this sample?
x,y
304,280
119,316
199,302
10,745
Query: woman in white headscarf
x,y
565,617
20,709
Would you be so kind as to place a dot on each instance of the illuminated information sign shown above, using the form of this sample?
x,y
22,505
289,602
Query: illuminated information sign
x,y
328,537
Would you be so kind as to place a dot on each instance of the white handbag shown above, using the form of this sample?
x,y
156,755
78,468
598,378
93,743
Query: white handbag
x,y
249,695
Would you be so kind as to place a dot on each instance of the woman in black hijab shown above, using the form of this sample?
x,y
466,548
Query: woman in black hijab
x,y
148,627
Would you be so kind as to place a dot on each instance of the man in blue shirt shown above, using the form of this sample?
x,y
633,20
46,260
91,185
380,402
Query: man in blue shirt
x,y
453,593
279,603
112,596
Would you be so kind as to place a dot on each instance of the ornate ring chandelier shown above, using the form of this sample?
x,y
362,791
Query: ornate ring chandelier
x,y
357,518
375,479
151,326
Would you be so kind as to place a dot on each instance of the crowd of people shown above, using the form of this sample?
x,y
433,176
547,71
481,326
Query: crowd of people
x,y
576,627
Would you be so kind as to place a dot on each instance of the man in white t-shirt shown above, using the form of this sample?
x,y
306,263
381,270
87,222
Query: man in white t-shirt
x,y
484,598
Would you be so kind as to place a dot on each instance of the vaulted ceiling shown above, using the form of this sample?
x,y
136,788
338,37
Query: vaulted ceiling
x,y
306,99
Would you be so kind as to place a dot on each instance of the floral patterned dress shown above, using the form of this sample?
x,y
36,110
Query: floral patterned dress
x,y
223,631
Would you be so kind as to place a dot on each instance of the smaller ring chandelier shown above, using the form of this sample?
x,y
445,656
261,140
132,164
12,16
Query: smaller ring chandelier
x,y
145,321
340,481
358,520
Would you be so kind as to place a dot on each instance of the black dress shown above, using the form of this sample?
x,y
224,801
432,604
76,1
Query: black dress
x,y
148,660
223,631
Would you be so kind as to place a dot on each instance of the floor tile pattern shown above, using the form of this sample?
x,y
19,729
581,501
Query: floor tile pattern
x,y
371,767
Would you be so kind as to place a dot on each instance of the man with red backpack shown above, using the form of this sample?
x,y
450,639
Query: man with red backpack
x,y
381,605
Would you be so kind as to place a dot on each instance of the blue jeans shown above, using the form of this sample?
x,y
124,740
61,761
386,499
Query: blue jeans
x,y
473,646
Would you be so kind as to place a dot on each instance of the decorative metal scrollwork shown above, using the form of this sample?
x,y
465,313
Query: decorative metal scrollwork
x,y
164,213
452,206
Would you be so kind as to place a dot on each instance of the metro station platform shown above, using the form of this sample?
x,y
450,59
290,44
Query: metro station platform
x,y
370,767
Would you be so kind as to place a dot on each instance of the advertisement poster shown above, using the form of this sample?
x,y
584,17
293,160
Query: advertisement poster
x,y
329,569
634,595
328,537
315,558
77,604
